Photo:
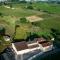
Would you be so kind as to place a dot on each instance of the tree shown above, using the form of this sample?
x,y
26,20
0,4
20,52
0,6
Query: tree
x,y
23,1
1,14
30,7
10,5
1,39
56,34
31,36
15,0
23,20
2,30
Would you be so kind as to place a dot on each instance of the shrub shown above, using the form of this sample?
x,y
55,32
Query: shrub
x,y
2,31
1,14
29,7
56,34
23,20
38,9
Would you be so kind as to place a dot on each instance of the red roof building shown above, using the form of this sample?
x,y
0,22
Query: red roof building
x,y
20,48
21,45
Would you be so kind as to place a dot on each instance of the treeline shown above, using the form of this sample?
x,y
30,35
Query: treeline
x,y
24,1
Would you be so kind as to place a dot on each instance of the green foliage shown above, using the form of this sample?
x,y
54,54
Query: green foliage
x,y
46,24
10,5
56,34
14,0
30,7
3,43
1,39
23,20
1,14
2,30
0,4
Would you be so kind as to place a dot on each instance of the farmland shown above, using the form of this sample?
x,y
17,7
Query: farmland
x,y
49,12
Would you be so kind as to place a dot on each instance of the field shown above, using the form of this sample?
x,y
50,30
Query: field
x,y
52,8
49,12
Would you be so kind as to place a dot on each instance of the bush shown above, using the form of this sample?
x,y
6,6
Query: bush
x,y
29,7
2,31
23,20
10,5
0,4
1,14
56,34
38,9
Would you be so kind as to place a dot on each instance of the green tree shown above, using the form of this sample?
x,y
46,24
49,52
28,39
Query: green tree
x,y
56,34
2,30
1,14
10,5
23,20
29,7
23,1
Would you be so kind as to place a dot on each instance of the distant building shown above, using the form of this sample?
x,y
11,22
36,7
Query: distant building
x,y
23,48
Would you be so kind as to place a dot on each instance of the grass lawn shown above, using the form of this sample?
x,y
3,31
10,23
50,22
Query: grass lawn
x,y
52,8
17,12
22,31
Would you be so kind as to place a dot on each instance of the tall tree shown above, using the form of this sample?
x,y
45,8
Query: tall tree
x,y
56,35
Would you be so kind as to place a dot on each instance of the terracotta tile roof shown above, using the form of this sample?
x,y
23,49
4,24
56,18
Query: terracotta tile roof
x,y
33,46
24,45
45,43
21,45
40,39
